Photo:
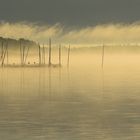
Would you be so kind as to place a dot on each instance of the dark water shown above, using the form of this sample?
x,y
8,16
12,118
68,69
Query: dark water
x,y
79,103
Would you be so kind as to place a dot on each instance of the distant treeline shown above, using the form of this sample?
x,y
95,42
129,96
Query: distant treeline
x,y
13,43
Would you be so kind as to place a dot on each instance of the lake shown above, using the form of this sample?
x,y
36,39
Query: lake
x,y
82,102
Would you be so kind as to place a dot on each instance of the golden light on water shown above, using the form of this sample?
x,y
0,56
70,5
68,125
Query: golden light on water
x,y
69,70
82,100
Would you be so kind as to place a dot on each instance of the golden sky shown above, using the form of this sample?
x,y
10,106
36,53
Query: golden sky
x,y
107,33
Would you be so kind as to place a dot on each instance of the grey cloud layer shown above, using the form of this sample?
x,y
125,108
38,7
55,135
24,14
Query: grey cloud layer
x,y
71,12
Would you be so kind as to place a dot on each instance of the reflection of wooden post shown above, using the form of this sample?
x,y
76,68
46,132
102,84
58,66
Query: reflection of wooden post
x,y
68,62
60,55
103,50
50,49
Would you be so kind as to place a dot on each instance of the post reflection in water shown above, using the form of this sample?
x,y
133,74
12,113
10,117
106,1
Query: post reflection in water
x,y
77,103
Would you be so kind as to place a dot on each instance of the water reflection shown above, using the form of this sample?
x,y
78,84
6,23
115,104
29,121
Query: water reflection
x,y
77,104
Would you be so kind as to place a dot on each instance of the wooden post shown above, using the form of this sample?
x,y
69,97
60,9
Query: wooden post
x,y
44,54
2,50
39,54
7,54
1,55
50,49
26,55
4,54
60,55
68,62
21,53
103,50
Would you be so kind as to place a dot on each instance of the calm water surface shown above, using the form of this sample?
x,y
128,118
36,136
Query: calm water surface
x,y
79,103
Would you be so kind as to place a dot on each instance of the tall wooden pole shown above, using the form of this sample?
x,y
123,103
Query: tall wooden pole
x,y
1,51
26,55
68,62
43,54
60,55
103,51
39,54
21,52
7,54
4,54
50,49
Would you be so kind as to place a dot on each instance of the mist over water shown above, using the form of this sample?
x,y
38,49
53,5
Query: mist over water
x,y
118,33
82,102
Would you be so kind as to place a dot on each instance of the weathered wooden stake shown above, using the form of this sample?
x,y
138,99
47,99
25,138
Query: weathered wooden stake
x,y
60,55
26,55
7,54
21,52
39,54
50,49
43,55
103,51
4,54
1,55
68,62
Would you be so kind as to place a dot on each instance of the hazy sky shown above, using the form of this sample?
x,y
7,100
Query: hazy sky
x,y
71,12
71,21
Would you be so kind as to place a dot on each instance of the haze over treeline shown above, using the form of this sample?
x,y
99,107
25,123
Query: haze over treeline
x,y
84,36
76,22
15,43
